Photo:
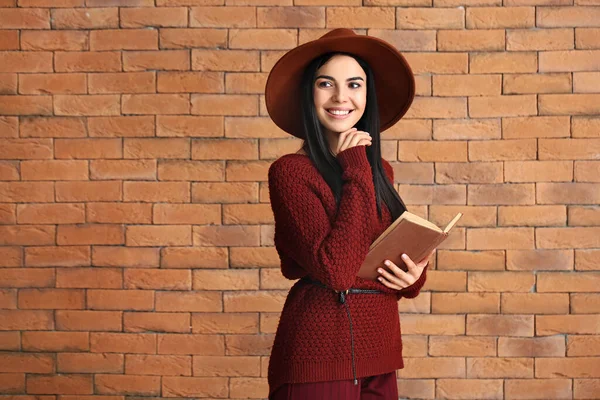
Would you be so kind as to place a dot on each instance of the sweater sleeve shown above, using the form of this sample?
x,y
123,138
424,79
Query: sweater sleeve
x,y
330,251
413,290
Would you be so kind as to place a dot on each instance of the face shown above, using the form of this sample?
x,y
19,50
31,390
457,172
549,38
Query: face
x,y
340,93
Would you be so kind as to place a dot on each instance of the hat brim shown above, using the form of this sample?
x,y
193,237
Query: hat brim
x,y
394,79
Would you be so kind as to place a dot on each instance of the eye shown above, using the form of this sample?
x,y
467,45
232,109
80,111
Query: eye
x,y
354,85
323,83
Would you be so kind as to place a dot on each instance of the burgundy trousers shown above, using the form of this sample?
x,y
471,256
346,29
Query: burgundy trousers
x,y
378,387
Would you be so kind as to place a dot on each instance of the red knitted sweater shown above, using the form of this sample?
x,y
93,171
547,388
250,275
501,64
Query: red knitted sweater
x,y
315,238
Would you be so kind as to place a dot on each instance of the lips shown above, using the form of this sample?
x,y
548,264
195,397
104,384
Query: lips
x,y
338,116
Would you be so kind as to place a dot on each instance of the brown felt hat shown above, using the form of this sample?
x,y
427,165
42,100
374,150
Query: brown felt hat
x,y
394,79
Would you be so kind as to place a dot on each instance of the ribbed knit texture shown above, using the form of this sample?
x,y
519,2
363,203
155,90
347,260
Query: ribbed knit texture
x,y
314,237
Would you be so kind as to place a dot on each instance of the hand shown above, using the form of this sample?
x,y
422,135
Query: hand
x,y
400,279
352,137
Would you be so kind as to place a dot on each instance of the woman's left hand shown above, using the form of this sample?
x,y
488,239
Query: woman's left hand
x,y
400,279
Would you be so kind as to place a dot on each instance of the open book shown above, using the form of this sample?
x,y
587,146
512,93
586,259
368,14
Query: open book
x,y
408,234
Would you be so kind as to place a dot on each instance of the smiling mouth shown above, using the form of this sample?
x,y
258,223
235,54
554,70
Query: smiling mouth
x,y
339,114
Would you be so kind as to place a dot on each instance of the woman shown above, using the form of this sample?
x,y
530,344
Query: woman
x,y
339,335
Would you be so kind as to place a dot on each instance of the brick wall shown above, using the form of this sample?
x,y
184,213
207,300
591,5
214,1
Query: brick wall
x,y
136,235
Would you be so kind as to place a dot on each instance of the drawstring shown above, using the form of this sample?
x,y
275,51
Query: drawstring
x,y
342,299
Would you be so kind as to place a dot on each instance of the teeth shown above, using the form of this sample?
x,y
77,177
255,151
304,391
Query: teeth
x,y
336,112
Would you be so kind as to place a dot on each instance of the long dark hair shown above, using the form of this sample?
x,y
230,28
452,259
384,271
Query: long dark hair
x,y
317,147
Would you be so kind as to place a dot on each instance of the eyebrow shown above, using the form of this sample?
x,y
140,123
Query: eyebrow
x,y
355,78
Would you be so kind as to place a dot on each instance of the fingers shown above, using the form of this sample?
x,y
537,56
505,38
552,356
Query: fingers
x,y
353,137
396,276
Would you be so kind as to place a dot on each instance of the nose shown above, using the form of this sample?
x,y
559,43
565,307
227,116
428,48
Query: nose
x,y
340,94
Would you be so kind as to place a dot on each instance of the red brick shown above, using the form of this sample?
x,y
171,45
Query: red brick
x,y
179,126
85,18
206,345
8,171
90,234
438,63
51,3
52,84
502,194
567,193
577,367
538,171
539,260
537,83
88,191
27,278
163,365
54,170
31,363
51,299
127,384
27,234
223,17
50,213
561,104
535,303
89,363
8,299
120,213
196,301
120,300
226,366
194,387
417,388
88,278
53,127
12,383
544,388
566,282
470,388
472,172
126,126
576,237
543,39
198,257
9,126
500,238
10,340
251,345
225,60
129,39
159,17
163,235
89,320
9,40
156,104
13,149
56,341
500,367
429,18
586,260
502,325
500,17
568,17
473,40
123,82
156,322
433,367
123,169
103,342
552,346
187,214
54,40
196,82
125,257
121,3
157,279
263,39
462,346
25,105
168,60
87,105
22,18
290,17
518,62
583,216
89,61
466,129
192,38
531,215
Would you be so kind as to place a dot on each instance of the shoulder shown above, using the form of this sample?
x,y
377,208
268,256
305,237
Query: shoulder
x,y
388,169
291,166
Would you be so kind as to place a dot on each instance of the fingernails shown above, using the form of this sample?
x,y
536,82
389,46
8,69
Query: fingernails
x,y
404,257
380,271
387,262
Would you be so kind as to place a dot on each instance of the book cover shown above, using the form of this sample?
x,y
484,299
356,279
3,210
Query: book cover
x,y
408,234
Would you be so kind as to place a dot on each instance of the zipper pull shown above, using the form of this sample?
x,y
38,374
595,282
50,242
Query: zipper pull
x,y
355,381
342,297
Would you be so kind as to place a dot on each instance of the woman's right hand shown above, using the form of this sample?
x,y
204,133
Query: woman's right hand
x,y
353,137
